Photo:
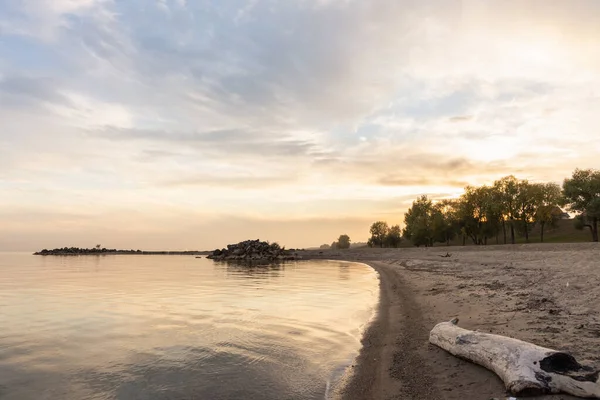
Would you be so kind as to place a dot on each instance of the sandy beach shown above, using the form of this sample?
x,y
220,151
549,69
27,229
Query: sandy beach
x,y
545,294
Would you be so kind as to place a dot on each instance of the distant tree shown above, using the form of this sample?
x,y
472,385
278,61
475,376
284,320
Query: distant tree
x,y
334,245
418,222
582,194
324,247
527,203
494,215
393,237
511,204
445,224
507,189
343,242
379,231
475,214
548,211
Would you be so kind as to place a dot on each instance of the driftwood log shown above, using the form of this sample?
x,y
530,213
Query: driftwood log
x,y
526,369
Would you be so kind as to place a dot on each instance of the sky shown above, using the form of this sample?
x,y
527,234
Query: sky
x,y
190,124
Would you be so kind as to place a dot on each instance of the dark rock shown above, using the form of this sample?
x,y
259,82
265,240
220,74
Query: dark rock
x,y
254,251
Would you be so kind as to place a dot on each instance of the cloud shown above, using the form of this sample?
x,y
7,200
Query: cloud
x,y
25,91
233,142
230,181
44,19
461,118
420,181
264,109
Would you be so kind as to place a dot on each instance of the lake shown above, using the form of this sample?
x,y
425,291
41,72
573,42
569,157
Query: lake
x,y
178,327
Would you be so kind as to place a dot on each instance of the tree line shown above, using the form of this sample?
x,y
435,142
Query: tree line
x,y
508,207
343,242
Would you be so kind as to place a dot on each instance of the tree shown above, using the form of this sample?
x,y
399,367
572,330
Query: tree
x,y
494,214
324,247
343,242
418,222
334,245
445,223
548,211
508,190
393,237
478,214
379,231
527,201
582,194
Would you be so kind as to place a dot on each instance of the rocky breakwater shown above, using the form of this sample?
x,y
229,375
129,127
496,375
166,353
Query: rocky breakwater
x,y
252,251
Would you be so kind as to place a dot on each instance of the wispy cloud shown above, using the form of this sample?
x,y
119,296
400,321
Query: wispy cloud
x,y
271,110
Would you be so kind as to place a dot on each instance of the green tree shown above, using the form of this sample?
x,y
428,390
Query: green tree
x,y
527,202
507,189
471,213
548,211
343,242
418,222
379,231
393,237
477,216
582,194
445,223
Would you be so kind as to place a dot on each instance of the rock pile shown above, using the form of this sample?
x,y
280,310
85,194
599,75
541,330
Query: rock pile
x,y
254,251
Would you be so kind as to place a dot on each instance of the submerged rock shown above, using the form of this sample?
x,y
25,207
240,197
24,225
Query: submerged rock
x,y
254,251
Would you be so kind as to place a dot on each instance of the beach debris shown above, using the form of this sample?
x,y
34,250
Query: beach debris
x,y
446,255
525,368
254,251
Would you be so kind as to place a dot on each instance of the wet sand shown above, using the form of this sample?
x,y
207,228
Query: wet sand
x,y
545,294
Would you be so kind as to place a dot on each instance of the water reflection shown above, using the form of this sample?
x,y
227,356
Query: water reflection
x,y
344,271
175,327
257,270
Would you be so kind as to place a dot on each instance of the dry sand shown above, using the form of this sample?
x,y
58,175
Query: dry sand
x,y
545,294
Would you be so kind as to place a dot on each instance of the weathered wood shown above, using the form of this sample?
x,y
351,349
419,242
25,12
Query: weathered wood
x,y
525,368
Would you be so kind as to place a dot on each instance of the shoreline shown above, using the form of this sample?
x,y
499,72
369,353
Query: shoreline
x,y
397,361
502,290
379,372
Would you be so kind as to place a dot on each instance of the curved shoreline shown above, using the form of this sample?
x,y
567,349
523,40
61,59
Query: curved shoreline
x,y
390,363
396,360
516,291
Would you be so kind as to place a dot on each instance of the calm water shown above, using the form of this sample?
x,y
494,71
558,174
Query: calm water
x,y
177,327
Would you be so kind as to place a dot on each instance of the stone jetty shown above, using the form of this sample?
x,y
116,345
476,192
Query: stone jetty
x,y
79,251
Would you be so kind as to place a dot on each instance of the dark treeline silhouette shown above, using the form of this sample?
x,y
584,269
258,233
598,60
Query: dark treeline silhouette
x,y
508,208
343,242
384,236
582,194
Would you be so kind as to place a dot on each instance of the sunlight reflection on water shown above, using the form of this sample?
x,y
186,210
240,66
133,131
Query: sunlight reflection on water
x,y
176,327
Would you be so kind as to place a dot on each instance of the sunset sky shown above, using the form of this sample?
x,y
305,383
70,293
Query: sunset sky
x,y
190,124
